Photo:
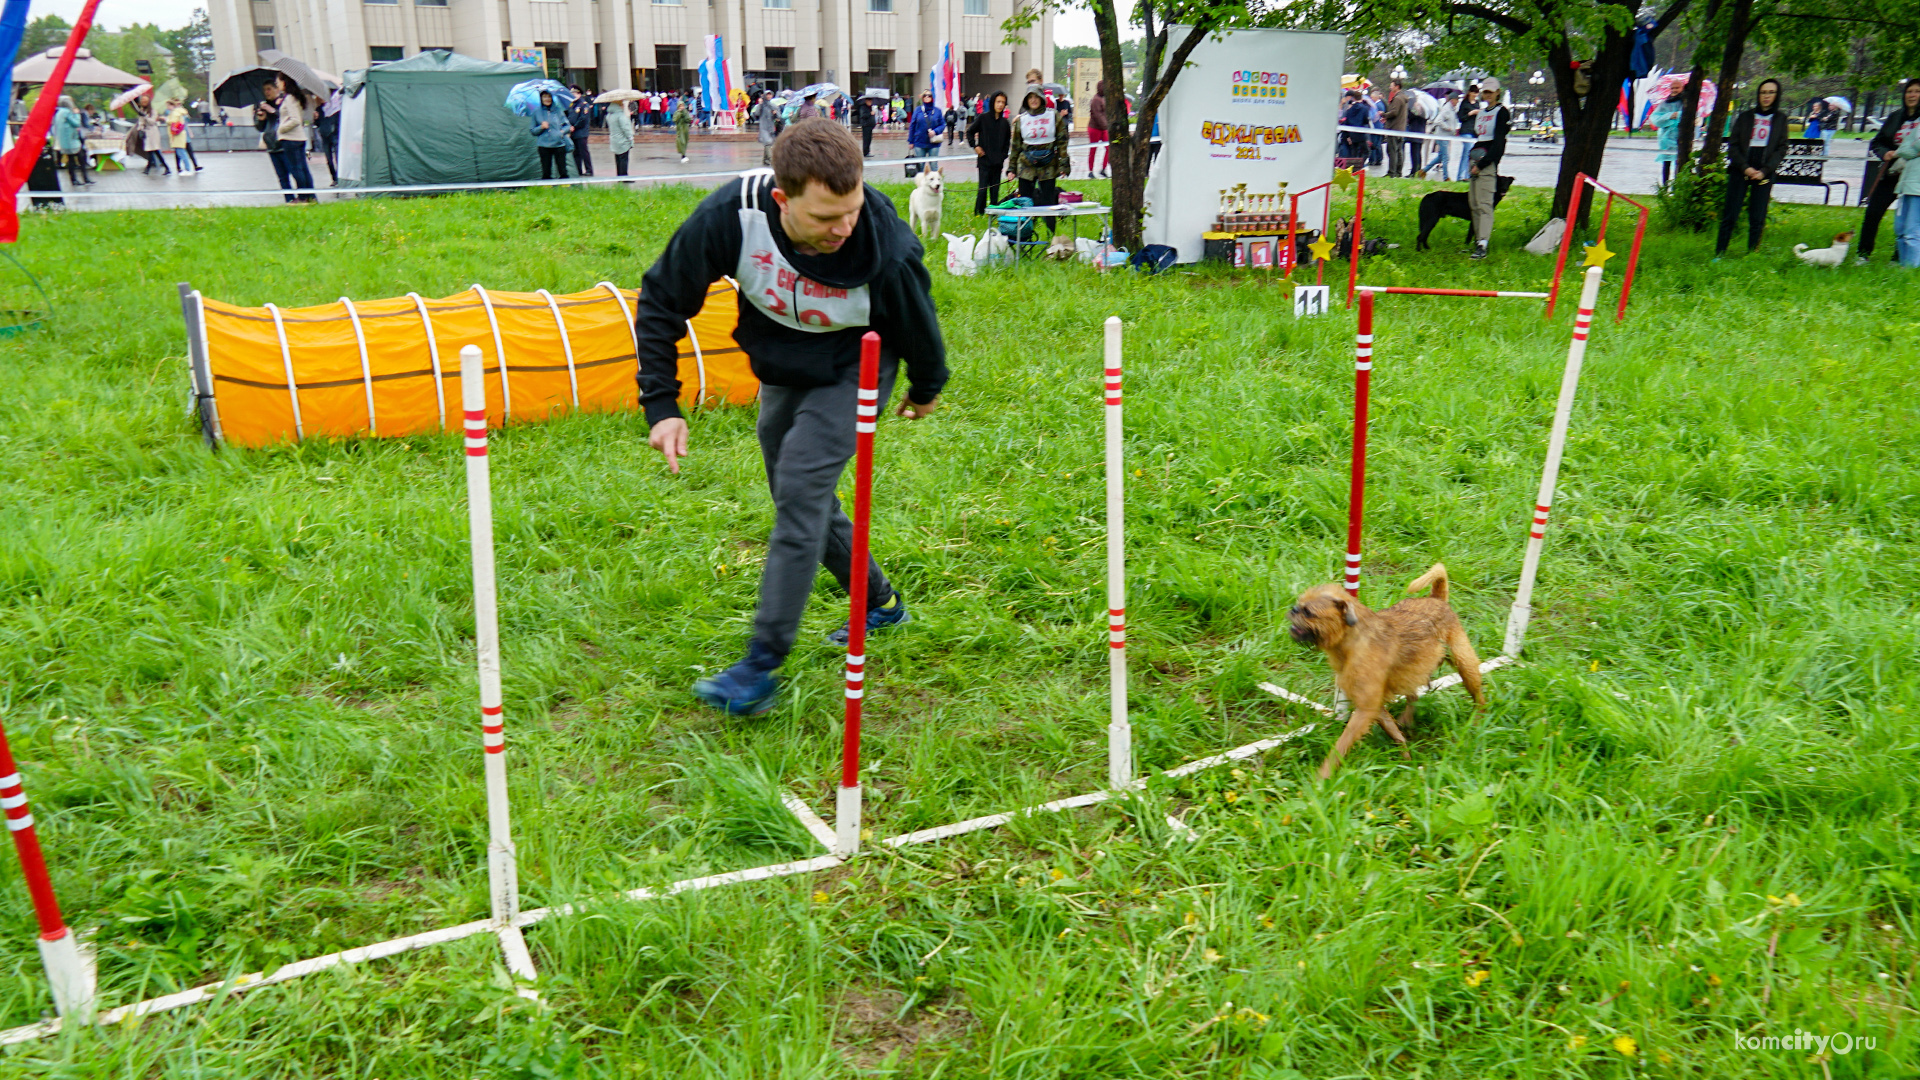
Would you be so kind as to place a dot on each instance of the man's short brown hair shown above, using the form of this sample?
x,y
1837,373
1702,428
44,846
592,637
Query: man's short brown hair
x,y
1033,75
816,149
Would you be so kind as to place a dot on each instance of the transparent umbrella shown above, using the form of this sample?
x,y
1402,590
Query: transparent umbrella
x,y
524,98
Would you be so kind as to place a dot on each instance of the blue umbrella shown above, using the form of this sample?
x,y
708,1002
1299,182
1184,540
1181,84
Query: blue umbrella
x,y
525,97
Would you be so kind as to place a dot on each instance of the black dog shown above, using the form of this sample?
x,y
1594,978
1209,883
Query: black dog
x,y
1441,205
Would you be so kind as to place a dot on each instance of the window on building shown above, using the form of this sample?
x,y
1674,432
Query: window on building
x,y
429,3
884,6
263,38
669,3
668,73
781,5
879,62
975,7
390,3
779,60
385,54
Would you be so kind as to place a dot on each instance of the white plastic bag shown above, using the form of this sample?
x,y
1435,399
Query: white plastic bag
x,y
960,262
1547,240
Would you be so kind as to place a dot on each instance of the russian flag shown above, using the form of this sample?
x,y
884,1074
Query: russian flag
x,y
946,77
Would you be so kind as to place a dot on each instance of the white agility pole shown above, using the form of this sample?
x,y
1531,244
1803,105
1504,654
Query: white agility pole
x,y
1119,729
502,873
1556,446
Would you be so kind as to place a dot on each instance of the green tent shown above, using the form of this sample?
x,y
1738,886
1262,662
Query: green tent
x,y
435,118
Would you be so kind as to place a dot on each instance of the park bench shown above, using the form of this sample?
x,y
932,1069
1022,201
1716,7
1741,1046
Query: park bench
x,y
1805,165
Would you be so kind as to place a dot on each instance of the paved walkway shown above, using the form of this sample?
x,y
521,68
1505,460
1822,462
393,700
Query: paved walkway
x,y
1629,167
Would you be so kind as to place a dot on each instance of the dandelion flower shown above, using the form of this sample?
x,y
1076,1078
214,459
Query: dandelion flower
x,y
1192,918
1475,978
1793,900
1232,796
1266,922
820,897
1237,774
1576,1042
1595,666
1712,979
1625,1046
1211,956
1056,873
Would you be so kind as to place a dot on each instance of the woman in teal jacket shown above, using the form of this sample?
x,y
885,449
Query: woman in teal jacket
x,y
70,140
550,130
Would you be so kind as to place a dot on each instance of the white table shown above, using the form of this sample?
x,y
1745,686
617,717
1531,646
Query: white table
x,y
1071,211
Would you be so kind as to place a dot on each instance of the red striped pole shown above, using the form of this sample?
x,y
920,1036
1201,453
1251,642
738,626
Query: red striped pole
x,y
1353,257
1550,474
502,871
1293,215
866,417
1633,260
69,967
1119,728
1362,379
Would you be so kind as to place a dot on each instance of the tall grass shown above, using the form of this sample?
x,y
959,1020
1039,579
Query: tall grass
x,y
241,686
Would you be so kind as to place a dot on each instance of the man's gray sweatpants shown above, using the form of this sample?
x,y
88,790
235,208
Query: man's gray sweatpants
x,y
806,439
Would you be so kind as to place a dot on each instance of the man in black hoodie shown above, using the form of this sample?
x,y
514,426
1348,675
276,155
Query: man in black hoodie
x,y
1755,148
821,258
1900,124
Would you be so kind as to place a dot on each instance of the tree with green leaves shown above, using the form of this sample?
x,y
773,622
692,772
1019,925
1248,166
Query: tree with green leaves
x,y
1588,45
1170,31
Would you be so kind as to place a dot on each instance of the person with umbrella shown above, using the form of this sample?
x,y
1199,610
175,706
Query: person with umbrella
x,y
580,120
808,109
550,128
863,116
619,134
1666,120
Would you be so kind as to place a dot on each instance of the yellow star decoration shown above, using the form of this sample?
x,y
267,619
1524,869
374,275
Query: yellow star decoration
x,y
1342,179
1597,254
1322,249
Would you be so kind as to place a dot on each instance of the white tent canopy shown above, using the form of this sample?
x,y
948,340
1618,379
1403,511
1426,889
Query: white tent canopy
x,y
86,70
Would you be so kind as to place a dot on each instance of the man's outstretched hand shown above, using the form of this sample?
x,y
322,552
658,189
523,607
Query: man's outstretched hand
x,y
913,411
669,436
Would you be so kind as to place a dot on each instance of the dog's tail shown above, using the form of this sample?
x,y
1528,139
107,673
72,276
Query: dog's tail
x,y
1799,249
1436,577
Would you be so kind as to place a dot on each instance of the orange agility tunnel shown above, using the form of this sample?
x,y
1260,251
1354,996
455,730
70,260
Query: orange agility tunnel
x,y
385,368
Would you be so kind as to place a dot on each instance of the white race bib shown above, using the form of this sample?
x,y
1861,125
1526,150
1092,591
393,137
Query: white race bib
x,y
1762,131
1036,129
1483,124
770,283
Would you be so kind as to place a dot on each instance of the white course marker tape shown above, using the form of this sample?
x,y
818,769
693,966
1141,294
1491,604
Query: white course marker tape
x,y
1297,699
814,823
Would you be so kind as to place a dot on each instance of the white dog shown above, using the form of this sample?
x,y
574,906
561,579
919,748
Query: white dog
x,y
1828,256
923,206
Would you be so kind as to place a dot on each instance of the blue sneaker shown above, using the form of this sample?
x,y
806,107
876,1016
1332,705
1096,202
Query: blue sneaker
x,y
893,614
748,688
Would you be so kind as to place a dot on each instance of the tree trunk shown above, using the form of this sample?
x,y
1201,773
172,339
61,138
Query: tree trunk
x,y
1587,123
1689,112
1738,27
1131,136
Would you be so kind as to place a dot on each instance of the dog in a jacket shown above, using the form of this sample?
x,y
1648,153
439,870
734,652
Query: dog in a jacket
x,y
1381,655
1438,206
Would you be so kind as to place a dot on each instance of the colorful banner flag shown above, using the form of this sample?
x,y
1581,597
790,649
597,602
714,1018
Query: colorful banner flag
x,y
946,76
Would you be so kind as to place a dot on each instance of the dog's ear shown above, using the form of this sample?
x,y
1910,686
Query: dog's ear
x,y
1346,611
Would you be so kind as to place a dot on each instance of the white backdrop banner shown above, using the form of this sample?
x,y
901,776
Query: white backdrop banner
x,y
1255,107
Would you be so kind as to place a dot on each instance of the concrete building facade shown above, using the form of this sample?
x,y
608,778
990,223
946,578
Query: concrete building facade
x,y
650,44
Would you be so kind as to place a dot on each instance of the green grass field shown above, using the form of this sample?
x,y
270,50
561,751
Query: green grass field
x,y
241,684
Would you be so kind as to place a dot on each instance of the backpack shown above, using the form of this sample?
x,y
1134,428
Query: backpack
x,y
1014,228
1153,258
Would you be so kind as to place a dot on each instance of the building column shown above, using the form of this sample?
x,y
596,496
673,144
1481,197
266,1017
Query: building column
x,y
616,45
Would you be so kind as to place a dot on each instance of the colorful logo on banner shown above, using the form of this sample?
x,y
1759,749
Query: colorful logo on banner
x,y
1268,87
1248,140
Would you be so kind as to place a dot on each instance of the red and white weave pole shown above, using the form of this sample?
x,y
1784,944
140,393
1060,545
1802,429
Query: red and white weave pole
x,y
1119,728
846,807
1550,475
1356,496
502,874
69,964
1406,291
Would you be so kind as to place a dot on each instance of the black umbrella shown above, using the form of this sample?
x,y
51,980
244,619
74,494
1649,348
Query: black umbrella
x,y
245,88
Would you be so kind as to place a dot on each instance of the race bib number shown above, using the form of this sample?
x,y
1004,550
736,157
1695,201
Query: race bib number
x,y
1309,300
1483,124
1762,131
786,296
